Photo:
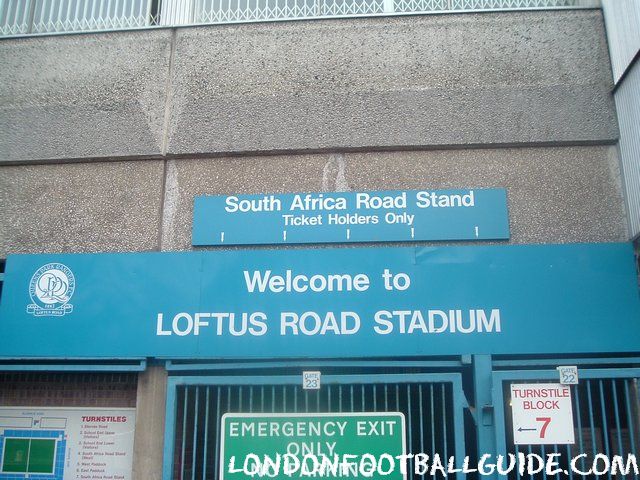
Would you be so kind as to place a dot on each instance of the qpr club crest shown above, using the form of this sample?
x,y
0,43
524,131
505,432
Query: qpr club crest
x,y
50,290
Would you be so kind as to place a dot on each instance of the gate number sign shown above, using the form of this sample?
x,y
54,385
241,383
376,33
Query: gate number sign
x,y
311,380
542,414
568,375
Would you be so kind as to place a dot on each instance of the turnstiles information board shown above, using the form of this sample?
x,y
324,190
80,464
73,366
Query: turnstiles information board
x,y
66,443
298,443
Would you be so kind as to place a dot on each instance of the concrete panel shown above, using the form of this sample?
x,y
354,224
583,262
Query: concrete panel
x,y
83,96
431,80
150,413
555,195
80,207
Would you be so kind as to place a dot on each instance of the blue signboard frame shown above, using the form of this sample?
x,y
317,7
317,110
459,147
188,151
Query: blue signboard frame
x,y
383,302
348,217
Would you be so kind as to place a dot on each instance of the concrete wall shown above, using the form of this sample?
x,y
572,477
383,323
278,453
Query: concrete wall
x,y
80,207
555,194
149,435
385,83
83,96
400,82
381,96
105,139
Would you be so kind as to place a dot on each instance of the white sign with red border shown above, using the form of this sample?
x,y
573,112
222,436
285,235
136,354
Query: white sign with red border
x,y
542,414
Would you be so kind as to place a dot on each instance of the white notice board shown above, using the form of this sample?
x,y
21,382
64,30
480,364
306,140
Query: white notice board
x,y
542,414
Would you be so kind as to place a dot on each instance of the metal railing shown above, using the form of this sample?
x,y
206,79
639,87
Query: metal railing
x,y
433,406
20,17
605,412
606,421
37,17
427,409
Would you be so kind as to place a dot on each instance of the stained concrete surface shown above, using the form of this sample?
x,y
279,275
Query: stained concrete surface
x,y
83,96
555,195
80,207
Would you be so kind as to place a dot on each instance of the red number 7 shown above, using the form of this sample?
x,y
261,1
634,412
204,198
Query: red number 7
x,y
546,421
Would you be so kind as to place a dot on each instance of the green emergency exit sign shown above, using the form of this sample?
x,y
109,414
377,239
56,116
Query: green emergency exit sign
x,y
318,445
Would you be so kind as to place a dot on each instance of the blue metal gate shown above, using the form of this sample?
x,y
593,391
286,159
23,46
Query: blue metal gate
x,y
433,405
605,413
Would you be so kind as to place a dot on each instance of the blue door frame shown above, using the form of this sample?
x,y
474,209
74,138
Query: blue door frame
x,y
489,375
174,382
586,374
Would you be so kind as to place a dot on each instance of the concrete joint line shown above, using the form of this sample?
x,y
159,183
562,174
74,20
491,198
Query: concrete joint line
x,y
169,203
168,101
168,197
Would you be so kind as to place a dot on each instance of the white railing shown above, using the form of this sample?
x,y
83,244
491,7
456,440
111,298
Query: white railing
x,y
32,17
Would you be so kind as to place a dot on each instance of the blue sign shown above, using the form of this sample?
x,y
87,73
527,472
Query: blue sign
x,y
326,303
346,217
